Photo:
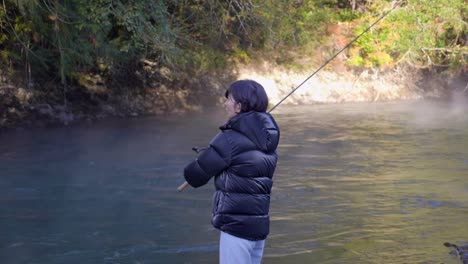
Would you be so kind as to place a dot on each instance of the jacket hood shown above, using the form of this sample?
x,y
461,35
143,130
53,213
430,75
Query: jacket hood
x,y
259,127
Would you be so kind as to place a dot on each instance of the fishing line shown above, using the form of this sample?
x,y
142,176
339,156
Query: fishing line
x,y
334,56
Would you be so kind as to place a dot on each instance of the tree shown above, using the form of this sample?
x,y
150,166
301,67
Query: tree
x,y
422,33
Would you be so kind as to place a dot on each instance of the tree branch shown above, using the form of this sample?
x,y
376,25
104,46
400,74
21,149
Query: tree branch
x,y
462,51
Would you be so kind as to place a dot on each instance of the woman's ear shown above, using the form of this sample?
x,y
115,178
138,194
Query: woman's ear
x,y
238,108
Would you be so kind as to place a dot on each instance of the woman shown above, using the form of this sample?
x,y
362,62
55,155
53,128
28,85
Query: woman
x,y
242,157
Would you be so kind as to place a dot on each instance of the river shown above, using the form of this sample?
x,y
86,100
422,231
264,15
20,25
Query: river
x,y
355,183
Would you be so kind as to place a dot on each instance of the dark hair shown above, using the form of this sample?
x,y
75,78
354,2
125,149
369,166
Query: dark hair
x,y
250,94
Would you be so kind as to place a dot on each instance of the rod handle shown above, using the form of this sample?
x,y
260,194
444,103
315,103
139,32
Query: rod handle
x,y
182,186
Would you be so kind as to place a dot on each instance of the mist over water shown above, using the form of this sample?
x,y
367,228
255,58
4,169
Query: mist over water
x,y
355,183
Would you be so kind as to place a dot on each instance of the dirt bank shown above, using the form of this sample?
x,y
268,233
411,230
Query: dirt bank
x,y
159,91
366,85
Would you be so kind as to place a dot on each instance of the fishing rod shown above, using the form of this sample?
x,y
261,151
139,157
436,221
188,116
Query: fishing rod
x,y
185,184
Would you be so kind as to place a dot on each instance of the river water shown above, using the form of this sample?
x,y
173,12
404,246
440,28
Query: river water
x,y
355,183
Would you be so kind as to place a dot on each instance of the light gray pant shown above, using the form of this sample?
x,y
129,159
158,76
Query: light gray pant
x,y
235,250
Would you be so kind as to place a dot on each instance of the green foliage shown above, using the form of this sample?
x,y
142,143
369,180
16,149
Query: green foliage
x,y
423,33
63,38
58,40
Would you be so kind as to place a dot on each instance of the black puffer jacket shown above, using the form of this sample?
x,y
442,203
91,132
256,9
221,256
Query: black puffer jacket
x,y
243,159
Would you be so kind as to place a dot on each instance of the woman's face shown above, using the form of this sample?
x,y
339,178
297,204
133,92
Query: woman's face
x,y
232,108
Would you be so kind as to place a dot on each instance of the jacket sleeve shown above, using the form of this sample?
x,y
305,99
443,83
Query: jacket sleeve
x,y
212,161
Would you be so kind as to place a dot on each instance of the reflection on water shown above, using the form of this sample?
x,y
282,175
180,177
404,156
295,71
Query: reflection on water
x,y
356,183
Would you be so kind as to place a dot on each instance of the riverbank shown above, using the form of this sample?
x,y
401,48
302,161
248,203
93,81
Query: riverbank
x,y
91,99
94,98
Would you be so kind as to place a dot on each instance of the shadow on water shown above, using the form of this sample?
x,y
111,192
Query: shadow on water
x,y
356,183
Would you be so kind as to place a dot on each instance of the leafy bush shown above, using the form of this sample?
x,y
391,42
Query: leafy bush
x,y
423,33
